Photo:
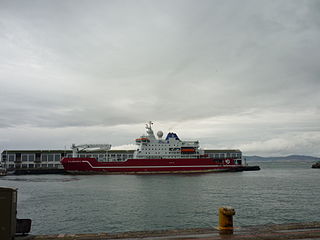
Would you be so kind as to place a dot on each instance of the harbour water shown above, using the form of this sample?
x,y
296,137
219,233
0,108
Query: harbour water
x,y
282,192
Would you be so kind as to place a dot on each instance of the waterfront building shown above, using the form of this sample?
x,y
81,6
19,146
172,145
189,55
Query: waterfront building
x,y
35,159
50,159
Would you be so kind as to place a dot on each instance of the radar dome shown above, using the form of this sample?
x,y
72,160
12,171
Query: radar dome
x,y
159,134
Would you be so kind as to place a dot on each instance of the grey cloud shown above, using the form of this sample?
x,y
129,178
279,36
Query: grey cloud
x,y
104,63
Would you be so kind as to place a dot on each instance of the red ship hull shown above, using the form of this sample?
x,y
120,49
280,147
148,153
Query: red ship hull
x,y
149,166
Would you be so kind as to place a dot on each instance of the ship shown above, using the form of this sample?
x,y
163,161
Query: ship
x,y
155,154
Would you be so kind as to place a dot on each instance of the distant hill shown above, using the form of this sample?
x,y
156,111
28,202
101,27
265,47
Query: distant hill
x,y
287,158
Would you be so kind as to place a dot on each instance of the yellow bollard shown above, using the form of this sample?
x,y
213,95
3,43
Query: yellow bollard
x,y
225,218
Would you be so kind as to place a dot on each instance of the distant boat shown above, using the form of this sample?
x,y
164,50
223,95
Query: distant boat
x,y
3,172
316,165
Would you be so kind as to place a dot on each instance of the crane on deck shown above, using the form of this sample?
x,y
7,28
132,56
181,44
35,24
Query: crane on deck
x,y
88,147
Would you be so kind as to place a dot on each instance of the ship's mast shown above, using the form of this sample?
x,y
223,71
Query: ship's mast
x,y
149,130
148,125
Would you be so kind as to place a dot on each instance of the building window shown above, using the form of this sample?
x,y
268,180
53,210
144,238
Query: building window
x,y
27,157
44,158
57,157
3,158
50,157
11,157
31,158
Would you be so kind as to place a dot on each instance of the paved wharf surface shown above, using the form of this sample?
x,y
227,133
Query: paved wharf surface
x,y
266,232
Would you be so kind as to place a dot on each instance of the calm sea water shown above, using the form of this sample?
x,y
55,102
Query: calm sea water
x,y
282,192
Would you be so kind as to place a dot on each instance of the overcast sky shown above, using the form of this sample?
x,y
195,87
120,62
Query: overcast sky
x,y
231,74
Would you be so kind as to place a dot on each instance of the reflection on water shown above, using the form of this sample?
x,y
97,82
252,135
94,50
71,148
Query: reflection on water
x,y
40,179
279,193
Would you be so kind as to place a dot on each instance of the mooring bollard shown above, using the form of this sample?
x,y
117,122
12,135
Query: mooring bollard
x,y
225,219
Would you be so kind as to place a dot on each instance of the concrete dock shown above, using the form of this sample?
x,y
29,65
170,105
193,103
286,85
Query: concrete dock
x,y
265,232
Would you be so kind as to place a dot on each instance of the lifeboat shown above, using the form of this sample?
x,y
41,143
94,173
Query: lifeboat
x,y
139,140
187,150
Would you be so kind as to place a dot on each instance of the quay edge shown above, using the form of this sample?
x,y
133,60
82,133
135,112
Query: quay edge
x,y
309,230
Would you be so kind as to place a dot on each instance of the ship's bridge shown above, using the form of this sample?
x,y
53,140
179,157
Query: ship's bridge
x,y
172,135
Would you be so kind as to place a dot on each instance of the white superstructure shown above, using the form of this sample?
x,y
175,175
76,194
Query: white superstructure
x,y
151,147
